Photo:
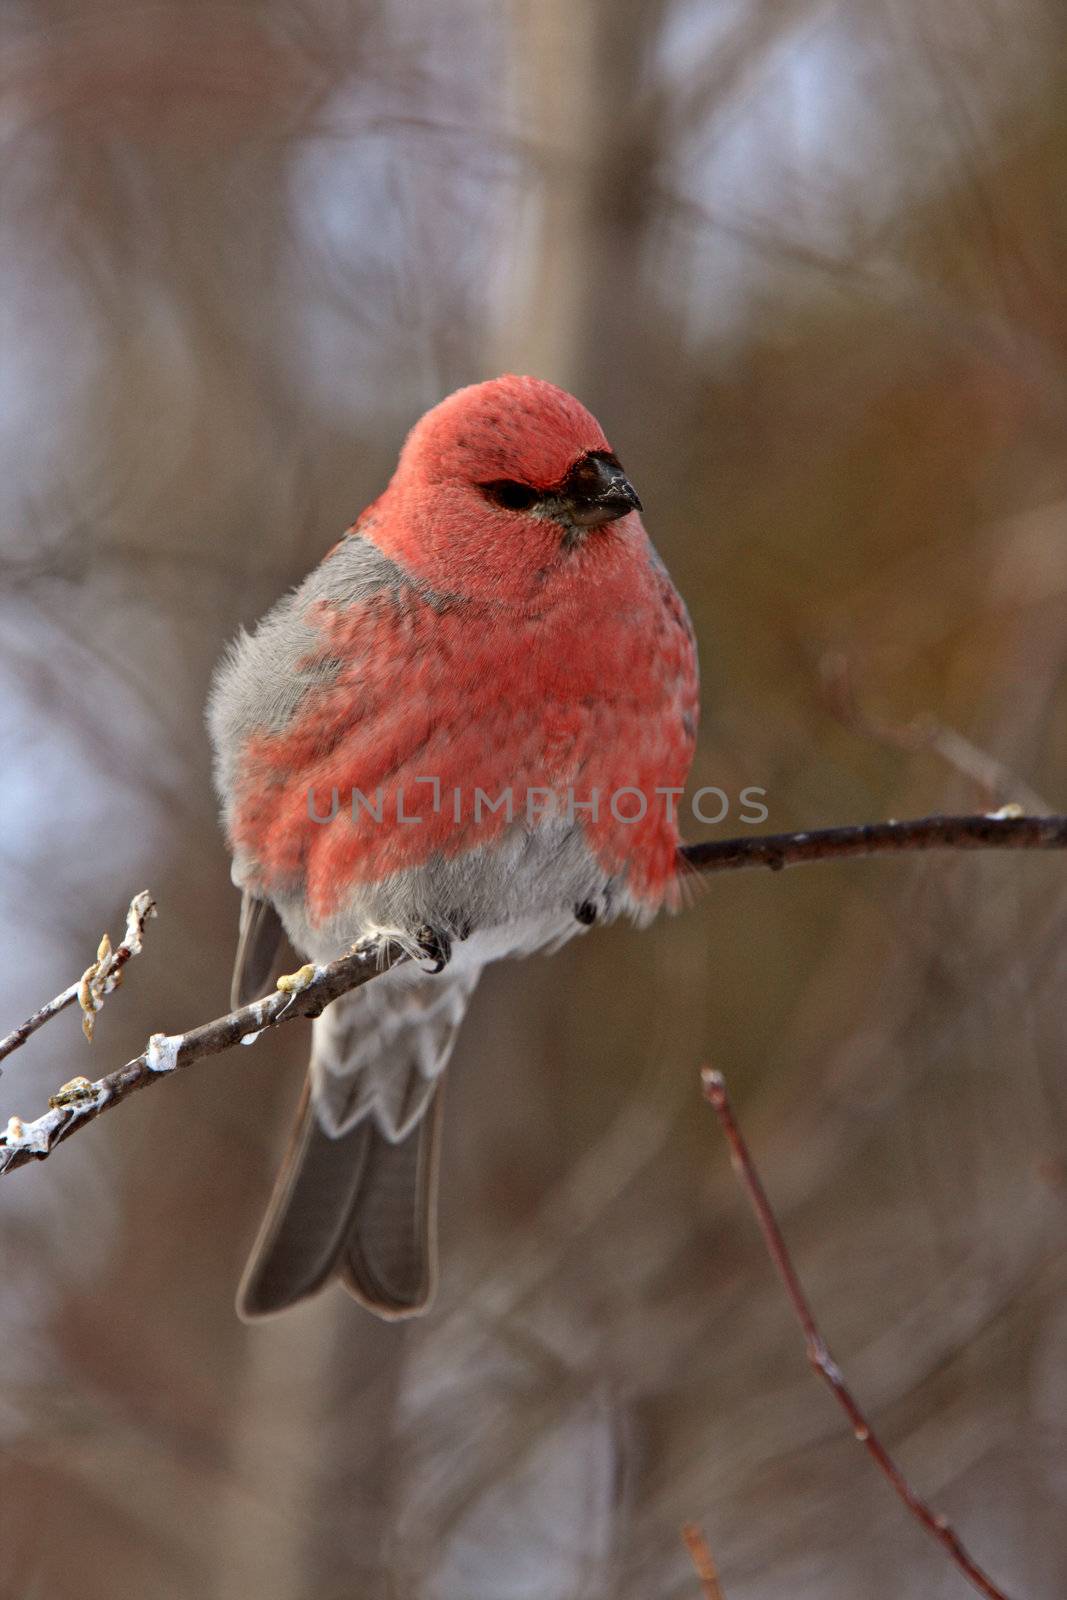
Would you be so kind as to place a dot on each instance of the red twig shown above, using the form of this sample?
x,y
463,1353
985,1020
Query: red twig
x,y
818,1354
703,1561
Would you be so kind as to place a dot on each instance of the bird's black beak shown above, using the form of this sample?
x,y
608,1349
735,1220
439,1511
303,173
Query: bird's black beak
x,y
597,490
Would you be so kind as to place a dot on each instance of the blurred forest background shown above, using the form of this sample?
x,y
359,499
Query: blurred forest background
x,y
808,264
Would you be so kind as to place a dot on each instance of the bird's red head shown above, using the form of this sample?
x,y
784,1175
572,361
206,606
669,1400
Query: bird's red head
x,y
497,489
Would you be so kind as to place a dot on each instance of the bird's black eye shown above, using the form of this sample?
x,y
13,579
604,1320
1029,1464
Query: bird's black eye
x,y
511,495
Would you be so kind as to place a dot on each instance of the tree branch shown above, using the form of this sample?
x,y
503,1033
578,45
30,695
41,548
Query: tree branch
x,y
703,1561
96,981
81,1101
822,1362
303,994
1001,830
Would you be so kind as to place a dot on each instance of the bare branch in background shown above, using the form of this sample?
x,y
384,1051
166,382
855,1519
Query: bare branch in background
x,y
703,1561
926,732
95,983
309,991
819,1356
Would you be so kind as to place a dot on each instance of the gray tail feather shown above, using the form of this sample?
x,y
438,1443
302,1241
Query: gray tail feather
x,y
357,1207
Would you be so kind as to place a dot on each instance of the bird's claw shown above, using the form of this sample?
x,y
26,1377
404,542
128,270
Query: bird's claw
x,y
435,946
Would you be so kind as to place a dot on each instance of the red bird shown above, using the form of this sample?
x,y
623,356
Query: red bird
x,y
466,731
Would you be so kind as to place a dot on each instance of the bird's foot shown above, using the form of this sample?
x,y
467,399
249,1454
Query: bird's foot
x,y
427,943
434,946
586,913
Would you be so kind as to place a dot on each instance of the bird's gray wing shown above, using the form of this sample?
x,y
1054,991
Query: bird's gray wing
x,y
259,940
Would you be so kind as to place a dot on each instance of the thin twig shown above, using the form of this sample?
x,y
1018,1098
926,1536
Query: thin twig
x,y
1005,830
703,1561
305,994
97,981
994,779
819,1355
80,1102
